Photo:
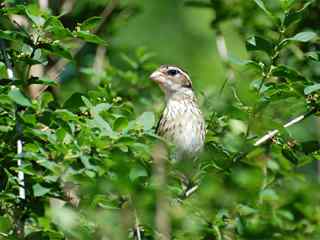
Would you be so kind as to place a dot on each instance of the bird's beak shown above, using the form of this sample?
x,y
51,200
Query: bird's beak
x,y
157,76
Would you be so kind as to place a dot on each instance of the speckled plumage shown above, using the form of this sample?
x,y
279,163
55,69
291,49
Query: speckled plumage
x,y
181,122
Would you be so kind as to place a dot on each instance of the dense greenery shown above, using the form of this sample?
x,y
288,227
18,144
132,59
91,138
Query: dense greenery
x,y
92,130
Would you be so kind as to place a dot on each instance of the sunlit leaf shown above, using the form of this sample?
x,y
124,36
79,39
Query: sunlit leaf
x,y
261,4
101,124
36,19
89,37
303,37
120,123
299,37
137,172
312,88
39,190
18,97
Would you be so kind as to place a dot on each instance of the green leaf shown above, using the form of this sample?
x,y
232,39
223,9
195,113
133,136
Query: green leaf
x,y
3,70
101,107
290,155
300,37
312,88
101,124
294,16
19,98
17,9
90,23
89,37
147,120
39,190
56,49
261,4
66,115
269,195
245,210
120,124
74,102
5,225
314,56
256,43
137,172
5,128
87,102
286,4
55,26
303,37
33,15
15,36
287,73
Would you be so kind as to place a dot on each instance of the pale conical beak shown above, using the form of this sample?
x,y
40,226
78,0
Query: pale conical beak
x,y
157,77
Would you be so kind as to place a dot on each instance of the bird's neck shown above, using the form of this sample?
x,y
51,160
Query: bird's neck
x,y
184,93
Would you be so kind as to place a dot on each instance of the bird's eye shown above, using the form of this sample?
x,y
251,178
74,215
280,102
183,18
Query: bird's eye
x,y
173,72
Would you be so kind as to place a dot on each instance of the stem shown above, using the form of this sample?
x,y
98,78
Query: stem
x,y
34,48
137,225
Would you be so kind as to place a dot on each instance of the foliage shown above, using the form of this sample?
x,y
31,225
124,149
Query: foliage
x,y
100,140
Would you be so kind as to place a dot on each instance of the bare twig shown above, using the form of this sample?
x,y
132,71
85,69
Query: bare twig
x,y
288,124
191,190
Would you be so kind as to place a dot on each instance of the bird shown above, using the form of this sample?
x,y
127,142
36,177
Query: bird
x,y
182,122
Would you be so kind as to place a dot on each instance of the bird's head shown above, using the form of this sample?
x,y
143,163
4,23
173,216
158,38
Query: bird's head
x,y
171,79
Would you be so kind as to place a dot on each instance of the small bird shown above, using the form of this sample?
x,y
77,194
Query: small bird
x,y
182,122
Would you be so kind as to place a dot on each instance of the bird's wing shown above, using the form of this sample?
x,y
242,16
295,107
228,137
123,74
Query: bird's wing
x,y
158,124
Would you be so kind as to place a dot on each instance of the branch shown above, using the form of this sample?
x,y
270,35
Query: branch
x,y
288,124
